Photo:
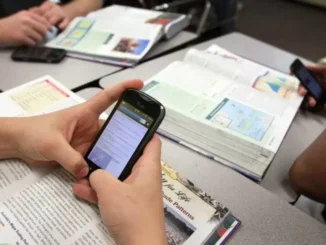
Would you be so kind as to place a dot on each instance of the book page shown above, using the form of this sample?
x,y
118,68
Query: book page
x,y
191,215
116,38
41,96
172,22
249,121
47,212
16,174
246,72
117,12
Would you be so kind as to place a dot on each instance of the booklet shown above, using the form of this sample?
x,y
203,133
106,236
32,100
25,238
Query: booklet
x,y
37,205
117,35
227,108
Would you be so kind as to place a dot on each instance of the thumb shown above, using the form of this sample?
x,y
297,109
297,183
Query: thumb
x,y
108,96
103,183
63,153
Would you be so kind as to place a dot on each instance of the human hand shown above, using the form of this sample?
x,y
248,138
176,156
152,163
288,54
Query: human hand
x,y
319,73
23,28
64,137
131,210
54,13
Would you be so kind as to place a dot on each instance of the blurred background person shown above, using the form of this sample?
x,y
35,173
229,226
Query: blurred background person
x,y
26,22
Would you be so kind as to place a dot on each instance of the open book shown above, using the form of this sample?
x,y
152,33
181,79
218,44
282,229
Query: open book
x,y
37,205
118,35
228,108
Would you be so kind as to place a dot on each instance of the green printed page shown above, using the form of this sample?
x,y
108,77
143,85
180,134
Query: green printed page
x,y
79,37
180,100
225,114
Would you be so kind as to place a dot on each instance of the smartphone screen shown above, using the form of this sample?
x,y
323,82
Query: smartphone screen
x,y
310,82
120,138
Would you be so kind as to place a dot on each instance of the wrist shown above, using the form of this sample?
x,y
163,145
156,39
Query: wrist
x,y
151,233
8,138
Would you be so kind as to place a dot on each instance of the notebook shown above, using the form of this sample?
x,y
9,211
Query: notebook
x,y
37,204
117,34
226,107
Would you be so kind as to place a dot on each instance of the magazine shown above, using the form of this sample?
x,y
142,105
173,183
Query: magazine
x,y
227,108
117,35
37,204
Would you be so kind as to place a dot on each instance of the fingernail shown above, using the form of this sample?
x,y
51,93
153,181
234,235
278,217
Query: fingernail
x,y
82,173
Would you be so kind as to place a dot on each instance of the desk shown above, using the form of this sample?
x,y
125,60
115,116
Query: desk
x,y
72,72
265,218
88,93
166,45
298,138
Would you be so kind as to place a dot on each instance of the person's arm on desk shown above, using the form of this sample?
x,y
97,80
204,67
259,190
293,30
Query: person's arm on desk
x,y
61,15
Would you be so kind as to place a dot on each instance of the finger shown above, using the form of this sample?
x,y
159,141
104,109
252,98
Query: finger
x,y
54,18
149,164
63,153
317,68
104,99
302,91
46,6
103,183
28,41
37,37
85,192
312,102
43,24
36,10
63,24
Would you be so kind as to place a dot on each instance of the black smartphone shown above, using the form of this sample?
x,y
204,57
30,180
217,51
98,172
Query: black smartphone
x,y
38,54
123,137
308,81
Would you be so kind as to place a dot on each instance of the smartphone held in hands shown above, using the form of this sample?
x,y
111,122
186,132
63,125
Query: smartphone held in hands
x,y
308,81
123,137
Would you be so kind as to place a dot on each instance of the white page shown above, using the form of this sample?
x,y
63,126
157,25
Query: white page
x,y
247,72
15,175
111,38
47,212
201,88
43,95
172,22
220,116
117,12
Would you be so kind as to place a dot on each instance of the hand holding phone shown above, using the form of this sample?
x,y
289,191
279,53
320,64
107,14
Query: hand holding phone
x,y
309,81
123,137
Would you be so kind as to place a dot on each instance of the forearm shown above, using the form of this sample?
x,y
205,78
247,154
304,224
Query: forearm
x,y
81,7
308,173
8,147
